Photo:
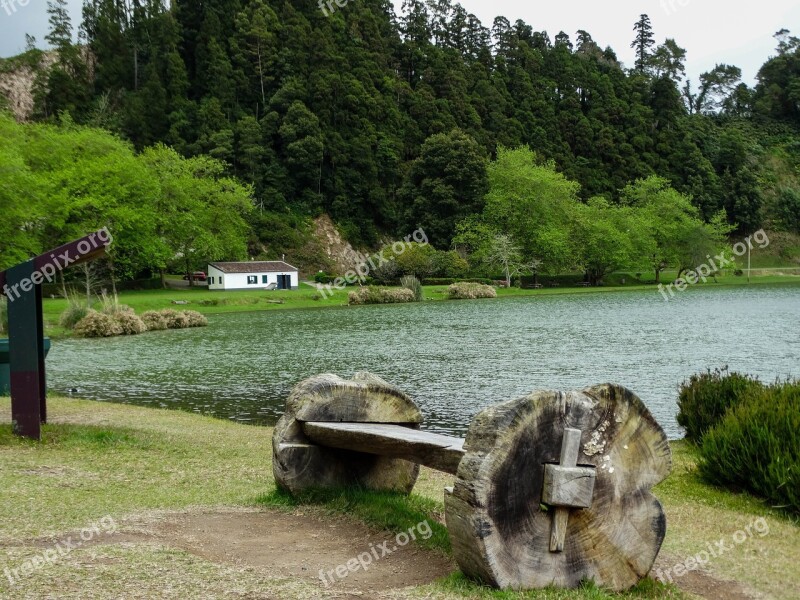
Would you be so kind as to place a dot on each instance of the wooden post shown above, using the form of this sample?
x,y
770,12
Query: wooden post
x,y
22,286
569,459
26,353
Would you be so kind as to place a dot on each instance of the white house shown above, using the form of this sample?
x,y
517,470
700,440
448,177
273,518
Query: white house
x,y
253,276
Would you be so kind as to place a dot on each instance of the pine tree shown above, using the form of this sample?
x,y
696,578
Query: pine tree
x,y
60,34
643,42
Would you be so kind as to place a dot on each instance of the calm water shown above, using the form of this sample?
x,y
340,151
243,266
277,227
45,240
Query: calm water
x,y
454,358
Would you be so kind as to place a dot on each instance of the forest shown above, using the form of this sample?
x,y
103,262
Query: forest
x,y
390,122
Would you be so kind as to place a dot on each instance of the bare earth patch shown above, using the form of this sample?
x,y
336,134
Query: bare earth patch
x,y
705,585
300,544
286,545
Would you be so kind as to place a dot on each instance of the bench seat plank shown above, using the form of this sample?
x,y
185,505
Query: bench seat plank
x,y
433,450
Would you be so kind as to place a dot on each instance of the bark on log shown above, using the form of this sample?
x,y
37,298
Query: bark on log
x,y
298,464
500,530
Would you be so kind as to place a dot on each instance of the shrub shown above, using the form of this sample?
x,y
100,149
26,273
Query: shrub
x,y
175,319
154,320
704,399
415,259
111,305
76,310
386,272
470,291
756,447
380,295
97,325
439,281
195,319
449,264
410,282
323,277
129,323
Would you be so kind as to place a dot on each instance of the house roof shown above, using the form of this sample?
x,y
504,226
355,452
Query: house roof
x,y
253,267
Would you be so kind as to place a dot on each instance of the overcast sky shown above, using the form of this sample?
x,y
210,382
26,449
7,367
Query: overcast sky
x,y
712,31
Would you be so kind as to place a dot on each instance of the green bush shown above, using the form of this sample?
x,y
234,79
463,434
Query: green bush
x,y
756,446
410,282
380,295
154,320
439,281
97,325
470,291
704,399
323,277
449,264
76,310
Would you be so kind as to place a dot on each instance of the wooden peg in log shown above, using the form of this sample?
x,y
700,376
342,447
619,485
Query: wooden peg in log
x,y
567,486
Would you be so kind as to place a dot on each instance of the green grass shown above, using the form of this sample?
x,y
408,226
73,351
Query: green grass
x,y
393,512
458,586
100,459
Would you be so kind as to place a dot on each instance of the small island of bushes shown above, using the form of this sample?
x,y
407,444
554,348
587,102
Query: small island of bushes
x,y
411,291
115,319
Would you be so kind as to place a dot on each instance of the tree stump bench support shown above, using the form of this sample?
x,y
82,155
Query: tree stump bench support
x,y
551,489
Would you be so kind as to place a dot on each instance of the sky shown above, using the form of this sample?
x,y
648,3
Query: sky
x,y
712,31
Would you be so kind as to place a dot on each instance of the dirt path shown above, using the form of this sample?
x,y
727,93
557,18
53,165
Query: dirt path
x,y
303,544
297,545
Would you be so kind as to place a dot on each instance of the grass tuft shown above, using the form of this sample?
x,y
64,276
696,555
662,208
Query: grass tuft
x,y
389,511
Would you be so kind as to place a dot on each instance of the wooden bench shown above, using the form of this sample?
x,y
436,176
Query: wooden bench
x,y
551,489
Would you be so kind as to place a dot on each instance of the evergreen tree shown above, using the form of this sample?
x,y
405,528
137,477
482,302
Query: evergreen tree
x,y
643,43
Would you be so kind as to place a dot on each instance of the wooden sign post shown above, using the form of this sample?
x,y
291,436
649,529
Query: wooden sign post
x,y
22,286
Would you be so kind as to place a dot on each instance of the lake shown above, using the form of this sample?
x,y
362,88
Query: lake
x,y
454,358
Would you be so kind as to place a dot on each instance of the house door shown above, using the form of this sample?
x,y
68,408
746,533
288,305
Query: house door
x,y
284,282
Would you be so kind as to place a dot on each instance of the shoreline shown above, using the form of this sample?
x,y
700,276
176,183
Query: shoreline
x,y
220,303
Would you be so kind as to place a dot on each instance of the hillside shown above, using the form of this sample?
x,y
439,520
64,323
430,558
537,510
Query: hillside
x,y
387,122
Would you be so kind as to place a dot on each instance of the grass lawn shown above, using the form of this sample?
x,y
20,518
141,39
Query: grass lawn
x,y
141,466
208,302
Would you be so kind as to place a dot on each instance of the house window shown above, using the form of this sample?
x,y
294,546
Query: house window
x,y
212,281
252,280
265,279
